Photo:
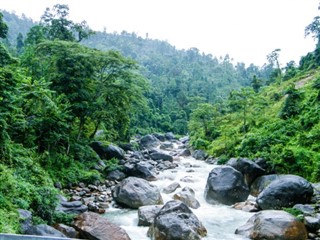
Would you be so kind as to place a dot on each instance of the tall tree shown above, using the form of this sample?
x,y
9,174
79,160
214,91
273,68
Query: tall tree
x,y
3,27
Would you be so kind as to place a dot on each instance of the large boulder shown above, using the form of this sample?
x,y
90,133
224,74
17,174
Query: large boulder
x,y
25,218
159,156
148,142
146,214
249,169
44,230
273,225
261,183
93,227
140,169
116,175
107,151
136,192
73,207
171,188
226,185
187,196
200,155
67,230
286,191
176,221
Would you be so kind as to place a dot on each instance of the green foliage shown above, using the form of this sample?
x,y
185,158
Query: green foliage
x,y
113,164
3,27
64,218
295,212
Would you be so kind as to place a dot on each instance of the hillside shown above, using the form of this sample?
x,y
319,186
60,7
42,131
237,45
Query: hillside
x,y
179,79
281,124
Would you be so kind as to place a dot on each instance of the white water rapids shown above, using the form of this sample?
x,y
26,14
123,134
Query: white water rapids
x,y
220,221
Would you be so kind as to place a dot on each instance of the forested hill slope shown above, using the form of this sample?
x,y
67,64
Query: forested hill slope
x,y
180,79
280,123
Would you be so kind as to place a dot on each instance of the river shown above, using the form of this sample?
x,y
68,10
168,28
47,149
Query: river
x,y
220,221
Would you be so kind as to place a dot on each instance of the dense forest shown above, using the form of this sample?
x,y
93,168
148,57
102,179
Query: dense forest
x,y
61,84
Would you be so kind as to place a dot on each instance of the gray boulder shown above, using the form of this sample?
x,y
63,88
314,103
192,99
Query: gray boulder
x,y
261,183
286,191
166,145
93,227
44,230
148,142
136,192
249,169
187,196
185,153
200,155
159,136
226,185
67,230
171,188
116,175
74,207
146,214
107,151
176,221
273,225
170,136
25,220
140,169
159,156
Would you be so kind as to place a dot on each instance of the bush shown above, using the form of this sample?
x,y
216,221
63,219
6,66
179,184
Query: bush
x,y
44,203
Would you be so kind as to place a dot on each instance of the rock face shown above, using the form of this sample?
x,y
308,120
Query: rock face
x,y
146,214
176,221
286,191
149,141
93,227
249,169
136,192
44,230
226,185
273,225
107,151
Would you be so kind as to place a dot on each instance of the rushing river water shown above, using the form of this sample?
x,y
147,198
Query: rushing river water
x,y
220,221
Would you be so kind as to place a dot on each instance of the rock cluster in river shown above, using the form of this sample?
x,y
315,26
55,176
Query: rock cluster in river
x,y
228,184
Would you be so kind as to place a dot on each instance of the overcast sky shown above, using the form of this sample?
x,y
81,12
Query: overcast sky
x,y
247,30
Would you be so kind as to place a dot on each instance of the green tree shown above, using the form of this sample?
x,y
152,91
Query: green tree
x,y
20,43
3,27
57,25
273,59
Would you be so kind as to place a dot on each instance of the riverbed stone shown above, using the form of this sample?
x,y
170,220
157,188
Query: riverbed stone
x,y
249,169
107,151
44,230
286,191
116,175
171,188
148,142
146,214
261,183
176,221
93,227
273,225
187,196
160,156
67,230
200,155
135,192
226,185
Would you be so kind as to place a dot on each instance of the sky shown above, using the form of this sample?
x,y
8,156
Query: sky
x,y
247,30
